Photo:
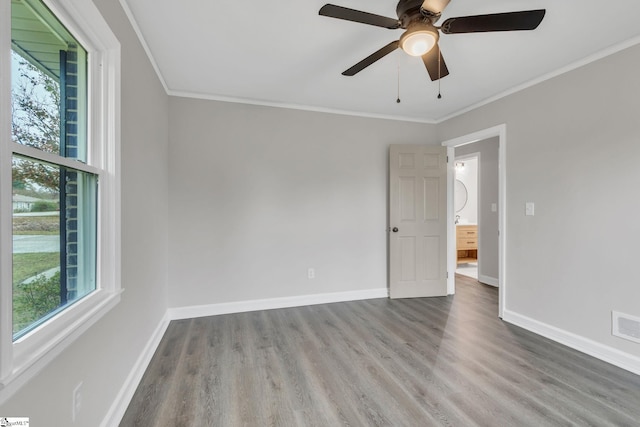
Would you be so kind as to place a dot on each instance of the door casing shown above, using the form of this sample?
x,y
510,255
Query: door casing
x,y
499,131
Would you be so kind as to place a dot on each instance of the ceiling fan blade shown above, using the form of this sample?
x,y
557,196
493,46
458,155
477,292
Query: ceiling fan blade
x,y
371,59
435,64
333,11
510,21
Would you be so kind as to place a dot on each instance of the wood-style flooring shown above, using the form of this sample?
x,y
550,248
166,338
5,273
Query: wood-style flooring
x,y
415,362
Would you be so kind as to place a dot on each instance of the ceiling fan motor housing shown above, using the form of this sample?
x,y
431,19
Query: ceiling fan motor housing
x,y
410,11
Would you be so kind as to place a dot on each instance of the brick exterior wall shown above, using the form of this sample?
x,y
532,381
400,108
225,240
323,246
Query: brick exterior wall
x,y
70,140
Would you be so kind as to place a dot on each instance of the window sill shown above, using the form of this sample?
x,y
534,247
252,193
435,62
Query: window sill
x,y
36,349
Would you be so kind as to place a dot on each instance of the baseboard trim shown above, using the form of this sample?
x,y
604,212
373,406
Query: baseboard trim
x,y
600,351
488,280
121,402
273,303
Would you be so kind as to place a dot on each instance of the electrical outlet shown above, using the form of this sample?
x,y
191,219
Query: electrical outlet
x,y
311,273
76,401
529,209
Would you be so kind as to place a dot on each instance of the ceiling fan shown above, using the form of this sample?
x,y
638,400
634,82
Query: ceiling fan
x,y
418,18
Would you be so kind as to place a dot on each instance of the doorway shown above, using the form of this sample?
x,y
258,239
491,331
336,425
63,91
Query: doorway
x,y
467,206
463,146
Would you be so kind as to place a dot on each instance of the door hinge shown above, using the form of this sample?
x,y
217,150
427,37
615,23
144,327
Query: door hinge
x,y
447,159
447,274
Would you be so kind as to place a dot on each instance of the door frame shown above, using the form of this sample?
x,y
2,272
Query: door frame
x,y
499,131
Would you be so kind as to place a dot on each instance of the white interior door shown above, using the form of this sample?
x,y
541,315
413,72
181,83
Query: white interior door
x,y
418,221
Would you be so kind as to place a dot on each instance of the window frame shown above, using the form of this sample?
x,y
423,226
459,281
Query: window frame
x,y
23,359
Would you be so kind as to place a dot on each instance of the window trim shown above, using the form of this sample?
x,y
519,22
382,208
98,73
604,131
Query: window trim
x,y
23,359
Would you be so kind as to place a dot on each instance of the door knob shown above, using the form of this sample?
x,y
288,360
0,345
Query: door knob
x,y
395,229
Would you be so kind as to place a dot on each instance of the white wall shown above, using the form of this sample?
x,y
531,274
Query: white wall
x,y
469,177
572,148
258,195
103,357
488,266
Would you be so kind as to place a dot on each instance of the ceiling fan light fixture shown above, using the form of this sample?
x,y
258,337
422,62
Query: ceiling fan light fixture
x,y
419,39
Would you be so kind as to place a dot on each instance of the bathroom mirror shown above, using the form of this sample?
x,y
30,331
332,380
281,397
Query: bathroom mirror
x,y
460,195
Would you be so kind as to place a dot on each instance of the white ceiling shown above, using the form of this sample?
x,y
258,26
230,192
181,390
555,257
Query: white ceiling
x,y
283,53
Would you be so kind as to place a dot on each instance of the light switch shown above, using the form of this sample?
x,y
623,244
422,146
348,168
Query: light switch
x,y
529,208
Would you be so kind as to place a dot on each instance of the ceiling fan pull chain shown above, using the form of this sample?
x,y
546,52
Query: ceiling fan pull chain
x,y
398,100
439,77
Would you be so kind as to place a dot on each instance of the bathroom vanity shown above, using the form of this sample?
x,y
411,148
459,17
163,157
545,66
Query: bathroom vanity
x,y
467,243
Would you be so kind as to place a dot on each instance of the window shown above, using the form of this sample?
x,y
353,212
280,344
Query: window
x,y
59,179
54,241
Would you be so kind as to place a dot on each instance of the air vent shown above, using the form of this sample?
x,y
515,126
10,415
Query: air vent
x,y
626,326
